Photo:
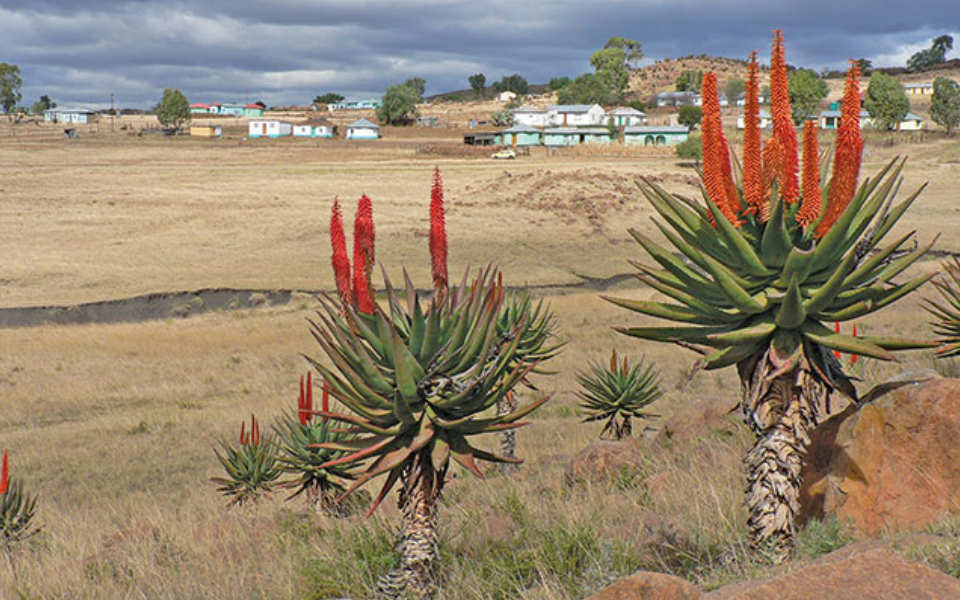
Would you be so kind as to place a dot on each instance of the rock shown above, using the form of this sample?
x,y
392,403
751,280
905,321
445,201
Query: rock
x,y
890,465
647,585
603,460
875,574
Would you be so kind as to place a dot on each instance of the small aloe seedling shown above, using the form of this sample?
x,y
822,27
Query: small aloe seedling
x,y
252,469
617,394
17,508
947,325
299,438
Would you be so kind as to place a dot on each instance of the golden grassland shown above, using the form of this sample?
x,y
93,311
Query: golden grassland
x,y
114,425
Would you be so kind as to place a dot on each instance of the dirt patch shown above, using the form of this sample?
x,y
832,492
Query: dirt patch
x,y
589,195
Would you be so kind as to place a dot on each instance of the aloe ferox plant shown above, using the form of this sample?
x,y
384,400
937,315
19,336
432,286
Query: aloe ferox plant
x,y
420,380
768,258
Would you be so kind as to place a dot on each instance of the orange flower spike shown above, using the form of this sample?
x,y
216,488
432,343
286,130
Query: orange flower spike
x,y
716,175
752,175
846,160
5,473
770,174
341,263
783,128
438,233
812,195
243,433
325,402
363,256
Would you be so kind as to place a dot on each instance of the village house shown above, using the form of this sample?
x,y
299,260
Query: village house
x,y
206,131
918,89
763,119
572,136
573,115
655,135
626,116
830,119
911,122
254,111
362,129
676,99
269,128
531,117
63,114
315,128
506,96
199,108
365,104
520,135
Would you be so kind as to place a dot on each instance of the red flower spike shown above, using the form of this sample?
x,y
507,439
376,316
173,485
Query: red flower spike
x,y
5,473
243,434
341,263
783,128
716,157
438,233
846,159
325,402
254,431
309,401
812,196
302,404
363,254
752,178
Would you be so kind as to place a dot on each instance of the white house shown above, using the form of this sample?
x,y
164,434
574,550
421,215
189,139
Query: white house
x,y
317,128
626,116
531,117
918,89
69,115
572,115
677,98
362,129
762,116
911,122
270,128
506,96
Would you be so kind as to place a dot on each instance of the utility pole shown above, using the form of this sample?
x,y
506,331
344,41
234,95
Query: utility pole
x,y
113,115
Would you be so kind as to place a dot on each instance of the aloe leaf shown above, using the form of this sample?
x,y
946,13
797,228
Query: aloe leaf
x,y
672,312
742,249
753,333
775,244
819,334
739,297
866,270
855,311
894,343
825,294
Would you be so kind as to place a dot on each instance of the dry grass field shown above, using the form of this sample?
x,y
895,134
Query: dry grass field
x,y
114,424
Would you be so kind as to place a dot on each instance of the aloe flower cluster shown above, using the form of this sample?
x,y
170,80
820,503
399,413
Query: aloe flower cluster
x,y
17,508
251,468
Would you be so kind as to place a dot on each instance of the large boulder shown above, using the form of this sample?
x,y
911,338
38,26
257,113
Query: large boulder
x,y
604,460
877,574
892,464
648,585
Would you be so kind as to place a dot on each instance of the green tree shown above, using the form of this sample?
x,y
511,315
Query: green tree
x,y
10,84
588,88
174,109
418,84
44,103
399,105
329,98
886,101
558,82
689,81
933,55
637,104
690,149
806,90
478,82
733,89
865,66
515,83
502,118
612,64
945,106
689,115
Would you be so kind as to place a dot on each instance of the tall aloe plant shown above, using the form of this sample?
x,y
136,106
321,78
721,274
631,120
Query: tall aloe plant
x,y
947,313
420,380
769,257
17,509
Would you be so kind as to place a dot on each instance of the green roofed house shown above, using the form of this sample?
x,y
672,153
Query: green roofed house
x,y
655,135
362,129
521,135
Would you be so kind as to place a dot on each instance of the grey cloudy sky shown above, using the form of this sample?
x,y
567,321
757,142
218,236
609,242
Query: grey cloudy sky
x,y
288,51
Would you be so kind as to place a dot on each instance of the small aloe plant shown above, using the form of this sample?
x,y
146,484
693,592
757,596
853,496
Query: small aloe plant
x,y
619,391
299,438
17,508
252,468
947,314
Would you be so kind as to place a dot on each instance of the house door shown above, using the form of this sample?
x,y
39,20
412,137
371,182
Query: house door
x,y
514,139
264,129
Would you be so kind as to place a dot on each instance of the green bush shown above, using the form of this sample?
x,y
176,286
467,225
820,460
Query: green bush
x,y
690,149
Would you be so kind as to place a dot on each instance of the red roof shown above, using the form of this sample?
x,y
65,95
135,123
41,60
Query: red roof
x,y
199,105
253,106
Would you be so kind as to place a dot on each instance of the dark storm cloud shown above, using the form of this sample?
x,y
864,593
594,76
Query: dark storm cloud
x,y
288,51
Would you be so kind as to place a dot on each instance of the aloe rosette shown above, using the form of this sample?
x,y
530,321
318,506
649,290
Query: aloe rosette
x,y
947,312
618,393
17,508
419,380
758,269
251,468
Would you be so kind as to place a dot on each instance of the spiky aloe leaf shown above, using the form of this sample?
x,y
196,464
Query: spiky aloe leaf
x,y
947,313
17,512
618,391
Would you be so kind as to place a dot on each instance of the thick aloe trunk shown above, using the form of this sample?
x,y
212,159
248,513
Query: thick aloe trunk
x,y
418,536
508,439
782,402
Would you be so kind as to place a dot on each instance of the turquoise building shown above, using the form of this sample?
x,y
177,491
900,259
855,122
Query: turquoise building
x,y
520,135
655,135
573,136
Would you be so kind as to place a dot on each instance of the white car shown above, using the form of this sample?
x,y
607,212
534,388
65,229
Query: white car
x,y
505,153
